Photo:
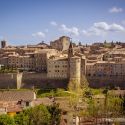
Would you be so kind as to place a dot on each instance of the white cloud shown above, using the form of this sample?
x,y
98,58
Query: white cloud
x,y
102,28
39,34
53,23
116,27
115,10
108,27
72,30
101,25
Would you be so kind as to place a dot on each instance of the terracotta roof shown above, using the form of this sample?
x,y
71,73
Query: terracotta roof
x,y
16,95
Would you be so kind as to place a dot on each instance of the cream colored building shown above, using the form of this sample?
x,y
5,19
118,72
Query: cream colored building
x,y
41,58
71,66
21,62
105,69
57,67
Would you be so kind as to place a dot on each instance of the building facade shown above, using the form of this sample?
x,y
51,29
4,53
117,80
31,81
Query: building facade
x,y
61,44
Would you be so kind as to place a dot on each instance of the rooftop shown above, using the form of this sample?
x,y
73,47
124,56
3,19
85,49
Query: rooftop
x,y
16,95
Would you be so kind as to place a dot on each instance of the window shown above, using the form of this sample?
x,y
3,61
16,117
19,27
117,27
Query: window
x,y
27,103
89,74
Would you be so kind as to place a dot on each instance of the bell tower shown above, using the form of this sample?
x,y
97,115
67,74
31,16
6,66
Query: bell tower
x,y
70,50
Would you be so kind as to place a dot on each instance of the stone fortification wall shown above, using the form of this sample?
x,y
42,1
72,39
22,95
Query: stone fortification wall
x,y
99,82
40,80
8,80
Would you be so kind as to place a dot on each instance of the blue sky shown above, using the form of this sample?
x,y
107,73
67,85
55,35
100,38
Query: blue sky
x,y
31,21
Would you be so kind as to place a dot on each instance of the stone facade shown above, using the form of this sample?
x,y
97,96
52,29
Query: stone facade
x,y
62,66
28,59
57,68
61,44
71,67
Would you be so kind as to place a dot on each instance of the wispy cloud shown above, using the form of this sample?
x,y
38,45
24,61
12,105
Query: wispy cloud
x,y
72,30
39,34
102,28
53,23
115,10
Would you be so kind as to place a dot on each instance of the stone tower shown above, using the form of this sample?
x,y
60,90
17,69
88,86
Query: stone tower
x,y
75,71
70,51
3,44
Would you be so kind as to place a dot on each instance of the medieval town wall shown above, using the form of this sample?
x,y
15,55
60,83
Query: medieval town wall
x,y
40,80
8,80
112,82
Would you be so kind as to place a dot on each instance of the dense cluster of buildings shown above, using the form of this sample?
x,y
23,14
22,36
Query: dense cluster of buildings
x,y
63,59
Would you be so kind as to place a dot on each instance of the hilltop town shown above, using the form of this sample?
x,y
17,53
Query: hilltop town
x,y
101,63
31,77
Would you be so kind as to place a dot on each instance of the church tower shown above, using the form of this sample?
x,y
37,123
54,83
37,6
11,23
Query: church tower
x,y
70,51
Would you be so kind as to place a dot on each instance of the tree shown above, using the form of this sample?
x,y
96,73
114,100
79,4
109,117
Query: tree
x,y
55,112
84,85
6,120
38,115
114,106
22,119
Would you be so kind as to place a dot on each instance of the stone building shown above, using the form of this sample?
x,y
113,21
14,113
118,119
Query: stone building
x,y
70,67
3,44
30,58
114,55
57,68
105,69
61,44
41,58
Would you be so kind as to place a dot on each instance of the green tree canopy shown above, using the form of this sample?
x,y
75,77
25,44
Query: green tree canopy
x,y
6,120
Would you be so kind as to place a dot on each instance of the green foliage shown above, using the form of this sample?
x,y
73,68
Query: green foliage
x,y
95,108
55,112
22,119
96,91
114,105
53,92
6,120
38,115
